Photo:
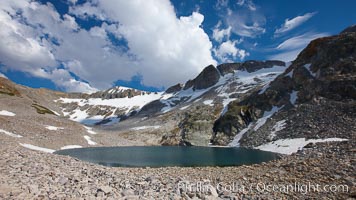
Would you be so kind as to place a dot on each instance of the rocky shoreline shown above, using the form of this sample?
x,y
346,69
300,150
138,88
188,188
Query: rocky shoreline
x,y
27,174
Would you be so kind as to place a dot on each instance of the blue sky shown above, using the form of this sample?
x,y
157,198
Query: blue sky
x,y
77,45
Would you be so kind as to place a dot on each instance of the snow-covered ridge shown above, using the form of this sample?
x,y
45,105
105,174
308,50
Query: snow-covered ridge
x,y
126,104
238,82
244,80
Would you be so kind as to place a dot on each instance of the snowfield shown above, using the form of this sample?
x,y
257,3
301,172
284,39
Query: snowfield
x,y
184,107
90,130
289,146
53,128
208,102
10,134
280,125
128,104
237,138
267,114
71,147
88,139
7,113
36,148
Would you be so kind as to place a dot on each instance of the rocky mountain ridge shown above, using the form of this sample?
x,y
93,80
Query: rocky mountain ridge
x,y
251,104
323,78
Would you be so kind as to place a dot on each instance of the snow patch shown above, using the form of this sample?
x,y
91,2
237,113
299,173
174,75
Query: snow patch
x,y
167,108
53,128
71,147
54,112
280,125
184,107
290,74
260,122
307,66
208,102
196,100
145,127
226,102
10,134
7,113
293,97
36,148
88,139
289,146
265,87
237,138
90,130
128,104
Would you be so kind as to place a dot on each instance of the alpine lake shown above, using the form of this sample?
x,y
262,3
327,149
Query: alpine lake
x,y
169,156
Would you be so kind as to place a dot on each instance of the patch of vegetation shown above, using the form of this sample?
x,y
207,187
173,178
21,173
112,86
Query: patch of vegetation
x,y
7,93
42,110
8,90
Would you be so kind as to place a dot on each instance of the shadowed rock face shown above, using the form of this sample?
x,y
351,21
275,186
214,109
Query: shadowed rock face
x,y
207,78
326,68
151,108
249,66
174,88
349,29
117,92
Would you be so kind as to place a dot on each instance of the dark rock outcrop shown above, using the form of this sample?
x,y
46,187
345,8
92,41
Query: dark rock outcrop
x,y
349,29
252,65
117,92
228,68
249,66
326,68
174,88
207,78
151,108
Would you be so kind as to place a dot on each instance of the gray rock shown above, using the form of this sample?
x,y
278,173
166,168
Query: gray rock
x,y
174,88
106,189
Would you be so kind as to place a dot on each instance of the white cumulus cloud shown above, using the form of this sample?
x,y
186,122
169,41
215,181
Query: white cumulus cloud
x,y
157,45
228,52
220,34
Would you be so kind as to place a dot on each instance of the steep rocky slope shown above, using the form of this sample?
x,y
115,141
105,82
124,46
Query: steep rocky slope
x,y
32,118
105,107
185,113
252,103
182,115
314,98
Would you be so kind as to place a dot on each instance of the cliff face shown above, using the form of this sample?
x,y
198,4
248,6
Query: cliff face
x,y
325,69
